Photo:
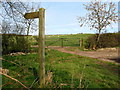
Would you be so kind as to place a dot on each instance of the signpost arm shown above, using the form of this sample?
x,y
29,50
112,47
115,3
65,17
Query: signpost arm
x,y
41,51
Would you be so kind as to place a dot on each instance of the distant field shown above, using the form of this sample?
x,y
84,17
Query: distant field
x,y
84,36
66,40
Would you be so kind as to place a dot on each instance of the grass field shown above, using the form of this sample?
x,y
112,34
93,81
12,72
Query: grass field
x,y
84,36
67,71
65,40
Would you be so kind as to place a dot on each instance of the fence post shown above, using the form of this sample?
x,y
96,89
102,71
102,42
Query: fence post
x,y
41,50
62,45
81,42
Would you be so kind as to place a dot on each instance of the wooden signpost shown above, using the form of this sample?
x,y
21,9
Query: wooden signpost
x,y
41,42
31,15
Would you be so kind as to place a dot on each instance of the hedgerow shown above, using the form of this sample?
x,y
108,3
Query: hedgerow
x,y
15,43
106,40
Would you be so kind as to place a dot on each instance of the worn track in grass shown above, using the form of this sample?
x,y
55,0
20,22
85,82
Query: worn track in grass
x,y
108,54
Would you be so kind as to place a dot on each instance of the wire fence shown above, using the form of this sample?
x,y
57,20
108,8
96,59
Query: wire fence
x,y
18,72
21,69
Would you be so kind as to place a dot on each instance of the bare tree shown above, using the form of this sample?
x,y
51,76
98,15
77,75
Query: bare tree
x,y
14,12
5,27
99,16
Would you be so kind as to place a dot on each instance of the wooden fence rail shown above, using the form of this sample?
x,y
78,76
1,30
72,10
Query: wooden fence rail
x,y
78,42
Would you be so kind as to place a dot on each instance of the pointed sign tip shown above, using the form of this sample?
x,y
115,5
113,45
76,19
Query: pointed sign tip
x,y
31,15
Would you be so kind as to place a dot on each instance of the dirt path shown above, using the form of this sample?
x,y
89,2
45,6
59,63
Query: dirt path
x,y
108,54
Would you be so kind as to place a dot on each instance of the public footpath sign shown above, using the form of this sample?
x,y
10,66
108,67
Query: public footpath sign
x,y
41,42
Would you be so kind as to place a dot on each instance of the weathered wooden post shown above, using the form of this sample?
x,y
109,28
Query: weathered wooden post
x,y
81,42
41,42
62,45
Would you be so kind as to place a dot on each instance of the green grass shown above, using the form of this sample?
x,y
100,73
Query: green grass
x,y
66,68
23,73
69,36
68,40
97,74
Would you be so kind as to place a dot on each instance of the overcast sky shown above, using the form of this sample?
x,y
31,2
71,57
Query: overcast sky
x,y
61,18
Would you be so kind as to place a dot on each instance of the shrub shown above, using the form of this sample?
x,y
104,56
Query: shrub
x,y
106,40
15,43
90,42
36,39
